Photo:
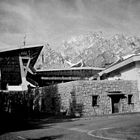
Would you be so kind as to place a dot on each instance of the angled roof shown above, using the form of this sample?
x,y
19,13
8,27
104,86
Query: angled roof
x,y
19,47
32,50
120,64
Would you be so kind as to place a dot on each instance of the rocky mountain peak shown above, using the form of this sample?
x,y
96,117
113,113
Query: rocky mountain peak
x,y
94,49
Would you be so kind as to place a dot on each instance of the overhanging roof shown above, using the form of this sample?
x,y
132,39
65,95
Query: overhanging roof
x,y
19,47
32,50
69,72
120,64
73,68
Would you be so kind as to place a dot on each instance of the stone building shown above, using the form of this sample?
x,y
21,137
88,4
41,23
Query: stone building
x,y
90,98
117,91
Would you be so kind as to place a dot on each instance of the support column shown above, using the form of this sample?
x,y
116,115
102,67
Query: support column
x,y
23,76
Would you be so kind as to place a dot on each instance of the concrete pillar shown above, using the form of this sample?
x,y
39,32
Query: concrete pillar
x,y
23,77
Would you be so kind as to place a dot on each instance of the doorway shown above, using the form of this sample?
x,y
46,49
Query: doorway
x,y
116,102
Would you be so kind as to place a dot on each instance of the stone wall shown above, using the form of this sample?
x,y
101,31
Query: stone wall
x,y
76,98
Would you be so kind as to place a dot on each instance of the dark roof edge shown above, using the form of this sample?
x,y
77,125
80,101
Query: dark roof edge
x,y
21,47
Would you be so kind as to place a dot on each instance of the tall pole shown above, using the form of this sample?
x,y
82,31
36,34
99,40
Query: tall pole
x,y
24,41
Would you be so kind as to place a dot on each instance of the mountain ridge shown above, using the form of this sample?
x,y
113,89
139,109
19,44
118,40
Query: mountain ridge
x,y
93,49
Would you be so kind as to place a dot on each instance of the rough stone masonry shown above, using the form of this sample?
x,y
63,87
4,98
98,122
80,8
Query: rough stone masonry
x,y
90,98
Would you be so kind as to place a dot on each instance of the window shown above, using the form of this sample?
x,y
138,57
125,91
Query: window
x,y
129,99
94,100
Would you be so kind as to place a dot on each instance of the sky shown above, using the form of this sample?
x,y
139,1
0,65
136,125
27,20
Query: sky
x,y
52,21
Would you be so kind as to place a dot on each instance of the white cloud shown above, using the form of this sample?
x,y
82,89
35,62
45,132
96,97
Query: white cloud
x,y
56,20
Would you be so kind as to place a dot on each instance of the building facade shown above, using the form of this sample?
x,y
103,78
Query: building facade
x,y
15,64
117,91
127,69
55,76
90,98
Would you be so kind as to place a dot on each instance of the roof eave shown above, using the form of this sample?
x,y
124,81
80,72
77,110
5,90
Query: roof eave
x,y
120,65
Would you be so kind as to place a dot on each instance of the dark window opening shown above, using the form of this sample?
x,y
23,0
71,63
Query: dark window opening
x,y
94,100
25,61
129,99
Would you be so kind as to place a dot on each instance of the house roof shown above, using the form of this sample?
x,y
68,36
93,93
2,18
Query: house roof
x,y
32,50
69,73
73,68
14,48
120,64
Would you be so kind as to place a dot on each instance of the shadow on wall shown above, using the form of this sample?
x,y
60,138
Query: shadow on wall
x,y
76,109
50,100
52,103
27,110
41,103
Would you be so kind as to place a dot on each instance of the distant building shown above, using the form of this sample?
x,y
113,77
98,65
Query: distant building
x,y
17,70
127,69
55,76
15,64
